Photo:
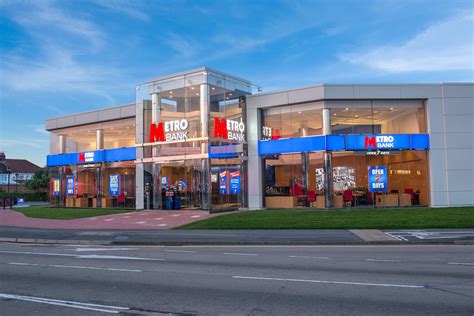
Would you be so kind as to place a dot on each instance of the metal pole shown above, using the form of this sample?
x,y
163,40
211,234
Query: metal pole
x,y
8,183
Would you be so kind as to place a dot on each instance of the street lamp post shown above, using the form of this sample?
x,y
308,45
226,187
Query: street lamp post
x,y
9,171
16,182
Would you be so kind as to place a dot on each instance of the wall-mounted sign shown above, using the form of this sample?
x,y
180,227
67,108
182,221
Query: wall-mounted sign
x,y
269,133
164,181
374,142
223,183
229,129
69,185
377,178
86,157
169,131
114,184
234,182
56,187
214,177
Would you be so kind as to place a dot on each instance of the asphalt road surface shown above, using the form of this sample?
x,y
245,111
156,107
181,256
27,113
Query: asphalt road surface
x,y
226,280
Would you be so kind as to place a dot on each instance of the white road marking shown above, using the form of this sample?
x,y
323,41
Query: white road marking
x,y
117,258
108,220
308,257
125,216
103,249
180,251
159,218
38,253
240,254
195,216
162,225
71,304
92,218
71,267
382,260
462,263
330,282
80,256
140,223
176,215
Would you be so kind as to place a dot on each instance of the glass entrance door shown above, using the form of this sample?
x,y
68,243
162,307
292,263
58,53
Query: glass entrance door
x,y
184,178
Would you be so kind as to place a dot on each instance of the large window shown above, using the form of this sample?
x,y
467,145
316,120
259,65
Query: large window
x,y
407,173
117,134
293,121
378,117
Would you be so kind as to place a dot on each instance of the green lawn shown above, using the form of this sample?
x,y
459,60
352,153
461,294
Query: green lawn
x,y
67,213
412,218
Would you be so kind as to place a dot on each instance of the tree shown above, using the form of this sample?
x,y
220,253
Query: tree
x,y
39,181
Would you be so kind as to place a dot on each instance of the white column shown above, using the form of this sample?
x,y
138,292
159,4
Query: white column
x,y
255,174
204,105
100,139
62,144
328,185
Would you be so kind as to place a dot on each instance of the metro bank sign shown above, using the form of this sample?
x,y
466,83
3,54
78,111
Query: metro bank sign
x,y
375,142
177,130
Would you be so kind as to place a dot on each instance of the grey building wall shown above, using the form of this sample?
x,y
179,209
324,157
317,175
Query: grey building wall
x,y
450,123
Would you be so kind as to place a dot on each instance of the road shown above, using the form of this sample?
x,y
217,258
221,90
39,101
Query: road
x,y
236,280
180,237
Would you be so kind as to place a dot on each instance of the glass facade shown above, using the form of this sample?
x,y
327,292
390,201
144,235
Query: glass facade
x,y
300,179
194,140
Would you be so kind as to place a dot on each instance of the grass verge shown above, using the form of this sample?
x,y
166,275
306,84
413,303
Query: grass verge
x,y
406,218
67,213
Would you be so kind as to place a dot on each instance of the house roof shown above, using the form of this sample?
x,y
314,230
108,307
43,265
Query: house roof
x,y
21,166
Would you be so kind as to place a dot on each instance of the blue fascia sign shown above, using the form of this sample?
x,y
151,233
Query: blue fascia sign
x,y
95,156
345,142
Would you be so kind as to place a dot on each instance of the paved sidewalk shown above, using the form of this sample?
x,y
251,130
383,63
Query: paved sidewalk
x,y
130,220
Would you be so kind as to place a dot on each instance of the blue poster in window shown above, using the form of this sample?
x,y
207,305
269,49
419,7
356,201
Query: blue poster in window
x,y
234,182
69,185
378,178
114,184
223,183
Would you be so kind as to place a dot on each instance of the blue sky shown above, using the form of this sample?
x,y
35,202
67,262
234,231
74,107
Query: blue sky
x,y
60,57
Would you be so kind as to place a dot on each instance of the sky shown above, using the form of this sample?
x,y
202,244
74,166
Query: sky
x,y
63,57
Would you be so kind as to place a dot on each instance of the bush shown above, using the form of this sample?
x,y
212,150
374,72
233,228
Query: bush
x,y
29,196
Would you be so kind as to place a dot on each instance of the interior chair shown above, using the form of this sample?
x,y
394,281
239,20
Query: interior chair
x,y
347,197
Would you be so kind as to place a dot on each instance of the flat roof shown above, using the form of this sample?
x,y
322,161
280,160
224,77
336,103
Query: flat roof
x,y
195,70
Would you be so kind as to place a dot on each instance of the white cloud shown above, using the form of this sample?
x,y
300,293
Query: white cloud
x,y
444,46
185,48
58,66
12,142
128,8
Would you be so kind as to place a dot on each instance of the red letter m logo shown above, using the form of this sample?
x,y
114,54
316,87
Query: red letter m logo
x,y
157,133
220,128
370,142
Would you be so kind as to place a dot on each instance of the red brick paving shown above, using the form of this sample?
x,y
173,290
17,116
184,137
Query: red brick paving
x,y
130,220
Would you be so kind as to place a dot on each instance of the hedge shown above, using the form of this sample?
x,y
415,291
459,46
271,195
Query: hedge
x,y
29,196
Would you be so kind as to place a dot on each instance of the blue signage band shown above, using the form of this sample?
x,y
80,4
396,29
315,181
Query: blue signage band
x,y
94,156
345,142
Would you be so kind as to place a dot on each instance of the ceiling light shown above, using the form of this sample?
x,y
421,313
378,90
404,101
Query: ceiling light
x,y
299,112
334,114
391,109
357,115
192,88
197,93
347,109
230,94
376,112
213,88
171,92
